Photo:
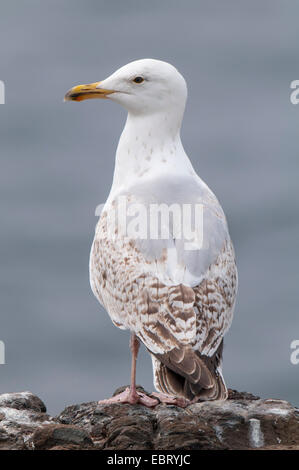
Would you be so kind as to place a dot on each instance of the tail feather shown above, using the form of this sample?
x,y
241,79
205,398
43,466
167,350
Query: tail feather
x,y
190,375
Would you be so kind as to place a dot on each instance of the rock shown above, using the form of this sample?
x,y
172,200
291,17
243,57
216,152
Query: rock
x,y
20,415
22,401
58,436
235,395
244,421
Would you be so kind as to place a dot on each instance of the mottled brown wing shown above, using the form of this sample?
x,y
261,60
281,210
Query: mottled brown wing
x,y
181,326
191,330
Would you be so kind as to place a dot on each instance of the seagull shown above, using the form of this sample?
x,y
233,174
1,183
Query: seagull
x,y
162,262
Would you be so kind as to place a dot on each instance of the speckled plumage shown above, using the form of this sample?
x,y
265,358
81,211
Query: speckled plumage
x,y
179,301
169,318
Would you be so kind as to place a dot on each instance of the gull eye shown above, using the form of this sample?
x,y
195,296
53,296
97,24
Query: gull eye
x,y
138,79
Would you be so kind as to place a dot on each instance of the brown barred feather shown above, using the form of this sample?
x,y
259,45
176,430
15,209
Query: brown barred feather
x,y
207,385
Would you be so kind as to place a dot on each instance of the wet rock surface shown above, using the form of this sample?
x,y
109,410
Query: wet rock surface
x,y
244,421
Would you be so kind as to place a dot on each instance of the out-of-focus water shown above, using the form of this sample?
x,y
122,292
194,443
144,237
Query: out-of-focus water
x,y
240,131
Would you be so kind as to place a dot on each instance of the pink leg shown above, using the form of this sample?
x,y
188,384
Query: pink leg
x,y
169,400
130,394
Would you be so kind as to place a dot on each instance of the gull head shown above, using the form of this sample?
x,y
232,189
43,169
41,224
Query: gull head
x,y
143,87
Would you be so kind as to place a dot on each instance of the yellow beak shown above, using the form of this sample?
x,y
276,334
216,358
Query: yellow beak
x,y
85,92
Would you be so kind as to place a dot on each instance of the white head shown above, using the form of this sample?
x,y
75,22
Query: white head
x,y
143,87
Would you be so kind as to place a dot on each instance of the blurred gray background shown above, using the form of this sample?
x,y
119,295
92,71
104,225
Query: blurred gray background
x,y
240,131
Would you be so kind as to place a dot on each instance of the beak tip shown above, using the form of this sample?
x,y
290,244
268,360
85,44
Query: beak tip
x,y
83,92
67,96
70,96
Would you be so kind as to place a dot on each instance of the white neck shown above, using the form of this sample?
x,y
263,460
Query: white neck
x,y
149,146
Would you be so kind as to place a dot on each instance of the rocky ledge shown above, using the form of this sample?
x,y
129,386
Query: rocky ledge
x,y
244,421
